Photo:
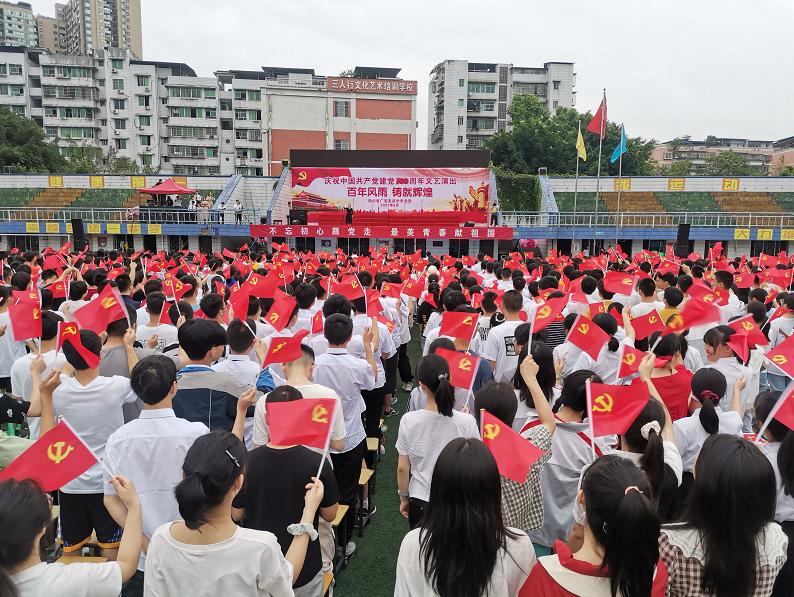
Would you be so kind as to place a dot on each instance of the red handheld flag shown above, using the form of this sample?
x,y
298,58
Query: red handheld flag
x,y
306,422
390,290
619,282
612,409
513,454
98,313
281,310
458,325
645,325
318,323
783,356
55,459
350,288
413,289
588,336
462,367
58,289
746,325
25,320
70,332
738,342
695,312
285,349
548,312
630,361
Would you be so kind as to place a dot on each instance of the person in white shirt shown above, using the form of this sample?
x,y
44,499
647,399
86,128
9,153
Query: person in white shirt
x,y
468,554
10,349
348,376
722,357
206,543
21,383
158,431
646,288
500,346
25,516
607,365
92,405
153,334
305,295
424,433
242,339
506,282
723,281
77,292
780,330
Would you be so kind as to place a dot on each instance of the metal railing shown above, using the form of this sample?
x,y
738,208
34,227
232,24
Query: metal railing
x,y
647,219
146,215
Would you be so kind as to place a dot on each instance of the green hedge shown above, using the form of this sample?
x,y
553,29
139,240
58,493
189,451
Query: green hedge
x,y
517,192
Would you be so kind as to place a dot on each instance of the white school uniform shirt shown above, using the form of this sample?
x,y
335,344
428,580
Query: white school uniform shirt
x,y
167,335
431,337
693,359
569,355
623,299
690,435
644,308
385,344
347,376
779,331
505,285
608,364
22,385
303,321
784,508
94,412
312,390
72,306
422,436
249,563
74,580
157,433
524,414
513,563
734,308
10,350
733,370
433,321
241,367
500,346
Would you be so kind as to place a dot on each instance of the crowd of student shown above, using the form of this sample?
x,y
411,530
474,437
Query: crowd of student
x,y
193,496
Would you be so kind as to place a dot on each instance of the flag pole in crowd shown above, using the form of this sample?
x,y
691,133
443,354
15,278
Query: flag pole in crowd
x,y
598,125
620,150
581,153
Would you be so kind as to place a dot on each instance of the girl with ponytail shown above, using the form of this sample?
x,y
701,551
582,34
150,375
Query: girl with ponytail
x,y
10,350
608,363
424,433
620,551
206,548
670,377
779,450
721,356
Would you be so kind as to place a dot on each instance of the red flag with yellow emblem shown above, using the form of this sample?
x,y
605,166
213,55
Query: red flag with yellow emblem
x,y
630,361
548,312
305,422
619,282
285,349
588,336
281,310
25,320
513,454
645,325
783,356
70,332
462,367
612,409
55,459
458,325
98,313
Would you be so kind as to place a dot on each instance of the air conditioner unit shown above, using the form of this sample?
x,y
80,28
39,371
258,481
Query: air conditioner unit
x,y
140,127
148,108
115,111
121,92
117,133
114,71
146,89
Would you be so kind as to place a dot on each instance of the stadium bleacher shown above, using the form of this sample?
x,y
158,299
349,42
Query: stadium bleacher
x,y
18,197
585,202
688,201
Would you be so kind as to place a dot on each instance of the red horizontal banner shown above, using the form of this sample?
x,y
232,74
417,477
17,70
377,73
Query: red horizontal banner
x,y
433,232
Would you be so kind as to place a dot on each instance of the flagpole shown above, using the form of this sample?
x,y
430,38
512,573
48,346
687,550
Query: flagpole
x,y
590,418
620,177
783,397
603,126
575,189
327,439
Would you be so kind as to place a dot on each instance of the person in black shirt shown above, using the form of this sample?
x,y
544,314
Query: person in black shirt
x,y
272,497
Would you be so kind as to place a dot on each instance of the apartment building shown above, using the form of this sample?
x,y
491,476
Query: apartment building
x,y
237,122
763,155
97,24
18,25
52,31
468,102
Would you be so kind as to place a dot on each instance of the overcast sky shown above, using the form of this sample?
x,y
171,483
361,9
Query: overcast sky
x,y
699,67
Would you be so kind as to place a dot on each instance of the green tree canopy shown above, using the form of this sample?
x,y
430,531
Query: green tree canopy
x,y
727,163
539,140
677,168
23,147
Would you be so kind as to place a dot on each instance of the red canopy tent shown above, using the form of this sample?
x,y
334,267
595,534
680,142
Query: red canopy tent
x,y
168,187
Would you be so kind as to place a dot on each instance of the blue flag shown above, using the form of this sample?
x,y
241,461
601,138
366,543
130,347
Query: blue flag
x,y
621,148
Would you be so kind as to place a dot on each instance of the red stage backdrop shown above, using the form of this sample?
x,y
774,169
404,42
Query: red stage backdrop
x,y
392,189
435,232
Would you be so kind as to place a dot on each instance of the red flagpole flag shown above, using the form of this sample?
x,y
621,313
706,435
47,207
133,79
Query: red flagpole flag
x,y
645,325
25,320
630,361
305,422
284,349
694,312
588,336
513,454
462,367
98,313
280,311
458,325
783,356
619,283
747,325
350,288
70,332
318,323
612,409
598,125
55,459
413,288
548,312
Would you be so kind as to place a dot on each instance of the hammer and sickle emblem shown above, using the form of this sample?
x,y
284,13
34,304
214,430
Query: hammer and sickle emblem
x,y
353,284
629,359
491,430
652,319
36,313
544,312
254,281
709,298
279,346
746,325
676,322
779,359
467,320
626,281
179,285
302,175
583,328
320,414
273,317
465,365
108,302
58,451
603,403
69,330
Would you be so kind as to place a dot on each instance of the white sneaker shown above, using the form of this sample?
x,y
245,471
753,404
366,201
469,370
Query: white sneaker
x,y
350,549
382,450
408,386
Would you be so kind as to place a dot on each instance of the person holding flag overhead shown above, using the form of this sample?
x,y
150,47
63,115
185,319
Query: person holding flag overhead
x,y
10,348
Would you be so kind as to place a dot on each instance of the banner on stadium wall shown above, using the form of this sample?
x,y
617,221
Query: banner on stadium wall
x,y
431,232
392,189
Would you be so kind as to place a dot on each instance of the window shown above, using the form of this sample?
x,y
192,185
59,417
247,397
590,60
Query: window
x,y
17,90
118,104
556,84
146,159
185,92
342,144
534,88
143,101
482,87
254,95
341,109
502,110
120,123
210,113
145,120
14,69
209,93
460,139
118,84
248,114
185,112
145,139
502,93
460,120
20,110
117,63
143,80
461,82
76,113
460,102
212,152
50,112
77,132
4,69
51,131
555,103
121,143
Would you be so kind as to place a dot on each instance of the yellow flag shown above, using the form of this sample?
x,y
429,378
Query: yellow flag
x,y
580,150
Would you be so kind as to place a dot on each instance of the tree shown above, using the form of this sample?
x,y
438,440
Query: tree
x,y
23,147
712,141
348,72
780,168
539,139
786,171
680,168
84,158
727,163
